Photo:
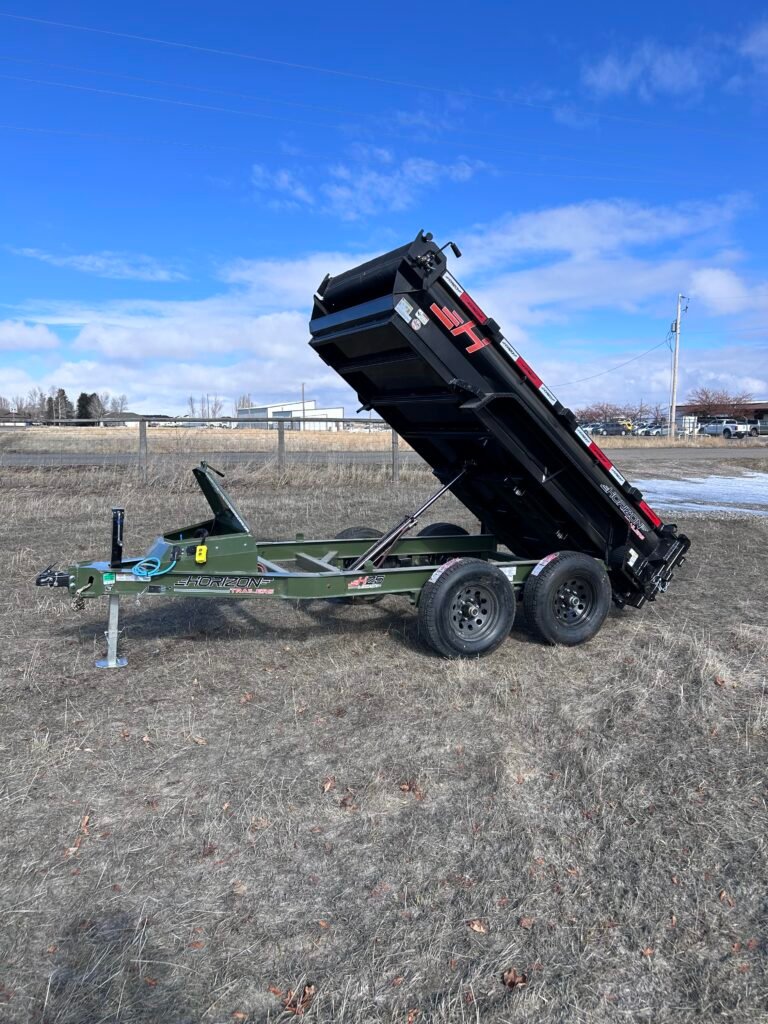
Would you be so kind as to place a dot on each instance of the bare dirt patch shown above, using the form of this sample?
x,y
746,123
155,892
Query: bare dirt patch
x,y
278,809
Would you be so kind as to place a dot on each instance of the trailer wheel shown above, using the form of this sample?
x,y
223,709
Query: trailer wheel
x,y
567,601
466,609
357,533
439,530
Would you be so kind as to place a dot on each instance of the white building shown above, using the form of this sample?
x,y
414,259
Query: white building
x,y
296,416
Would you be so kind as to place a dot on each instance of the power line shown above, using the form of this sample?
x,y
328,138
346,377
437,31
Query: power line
x,y
491,136
613,369
211,108
360,76
179,85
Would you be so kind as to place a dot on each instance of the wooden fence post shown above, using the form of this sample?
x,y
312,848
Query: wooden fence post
x,y
280,445
395,458
143,448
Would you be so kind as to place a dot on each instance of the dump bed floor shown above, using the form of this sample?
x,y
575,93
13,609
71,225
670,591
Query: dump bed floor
x,y
417,349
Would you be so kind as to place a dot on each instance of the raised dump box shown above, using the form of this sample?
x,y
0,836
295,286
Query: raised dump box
x,y
418,349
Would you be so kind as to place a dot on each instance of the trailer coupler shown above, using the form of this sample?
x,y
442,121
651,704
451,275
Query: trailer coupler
x,y
52,577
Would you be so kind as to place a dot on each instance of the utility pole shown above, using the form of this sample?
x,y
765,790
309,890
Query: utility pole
x,y
671,428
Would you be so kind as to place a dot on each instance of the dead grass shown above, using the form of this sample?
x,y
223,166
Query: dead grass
x,y
198,442
272,797
188,440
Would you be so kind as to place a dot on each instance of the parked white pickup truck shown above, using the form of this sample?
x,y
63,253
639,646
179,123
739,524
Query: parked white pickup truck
x,y
726,428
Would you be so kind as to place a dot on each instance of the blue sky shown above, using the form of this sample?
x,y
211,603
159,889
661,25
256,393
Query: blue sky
x,y
178,178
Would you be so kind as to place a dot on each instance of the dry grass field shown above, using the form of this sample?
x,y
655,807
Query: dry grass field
x,y
199,442
280,812
188,440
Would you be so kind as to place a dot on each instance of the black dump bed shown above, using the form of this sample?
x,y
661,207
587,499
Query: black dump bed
x,y
416,348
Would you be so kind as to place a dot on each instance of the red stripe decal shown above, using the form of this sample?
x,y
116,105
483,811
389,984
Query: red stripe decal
x,y
649,513
473,308
601,457
454,316
532,376
441,314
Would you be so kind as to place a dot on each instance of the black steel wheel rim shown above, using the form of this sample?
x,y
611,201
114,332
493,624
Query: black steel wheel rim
x,y
474,612
574,601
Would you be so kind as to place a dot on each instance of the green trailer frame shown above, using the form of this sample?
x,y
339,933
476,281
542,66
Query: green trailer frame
x,y
221,557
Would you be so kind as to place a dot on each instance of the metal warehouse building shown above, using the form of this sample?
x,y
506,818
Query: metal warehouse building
x,y
296,416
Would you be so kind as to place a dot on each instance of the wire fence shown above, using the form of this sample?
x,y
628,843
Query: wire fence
x,y
147,443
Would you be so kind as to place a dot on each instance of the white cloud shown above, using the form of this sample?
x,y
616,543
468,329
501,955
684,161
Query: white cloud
x,y
651,70
18,336
593,227
722,290
555,266
355,191
755,45
117,265
280,283
368,182
283,188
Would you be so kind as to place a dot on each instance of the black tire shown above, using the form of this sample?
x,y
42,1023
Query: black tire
x,y
466,608
442,530
754,432
726,433
439,530
568,599
357,533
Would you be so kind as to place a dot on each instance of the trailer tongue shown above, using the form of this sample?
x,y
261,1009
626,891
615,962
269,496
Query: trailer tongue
x,y
419,350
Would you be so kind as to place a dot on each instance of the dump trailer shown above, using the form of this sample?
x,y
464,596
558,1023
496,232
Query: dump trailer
x,y
417,348
561,530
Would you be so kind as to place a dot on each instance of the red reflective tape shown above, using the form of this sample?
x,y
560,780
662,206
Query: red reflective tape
x,y
473,307
600,455
532,376
454,316
649,513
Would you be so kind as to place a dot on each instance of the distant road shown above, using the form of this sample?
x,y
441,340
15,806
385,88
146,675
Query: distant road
x,y
656,454
622,456
381,458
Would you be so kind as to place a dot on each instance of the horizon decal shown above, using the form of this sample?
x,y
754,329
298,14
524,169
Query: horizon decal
x,y
457,325
230,584
635,522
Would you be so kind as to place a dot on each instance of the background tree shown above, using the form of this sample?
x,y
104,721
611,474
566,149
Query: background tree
x,y
36,403
58,407
706,402
118,404
83,408
97,405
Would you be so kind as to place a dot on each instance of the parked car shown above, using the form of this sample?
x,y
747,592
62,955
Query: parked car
x,y
611,429
725,428
758,427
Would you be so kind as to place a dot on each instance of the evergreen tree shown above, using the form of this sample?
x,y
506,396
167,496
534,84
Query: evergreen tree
x,y
62,407
83,410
